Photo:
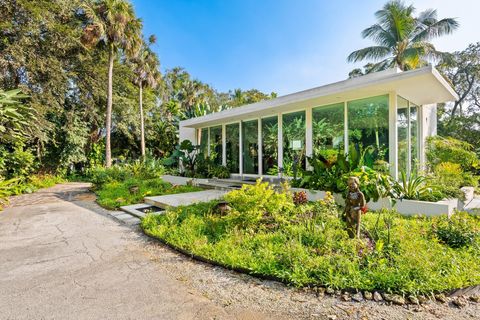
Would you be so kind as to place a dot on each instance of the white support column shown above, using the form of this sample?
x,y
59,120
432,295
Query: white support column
x,y
393,134
409,142
345,123
240,139
224,145
260,151
421,138
308,135
280,142
208,141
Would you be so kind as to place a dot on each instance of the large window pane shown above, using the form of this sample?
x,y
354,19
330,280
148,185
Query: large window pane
x,y
269,144
203,139
250,146
414,137
368,124
216,145
293,125
233,147
328,126
402,131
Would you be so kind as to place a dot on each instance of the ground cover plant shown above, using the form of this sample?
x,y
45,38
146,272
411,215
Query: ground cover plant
x,y
265,232
129,183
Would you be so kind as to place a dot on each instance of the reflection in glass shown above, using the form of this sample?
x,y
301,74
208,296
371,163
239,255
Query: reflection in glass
x,y
402,132
293,125
269,144
216,145
414,137
328,126
232,132
368,124
250,146
203,142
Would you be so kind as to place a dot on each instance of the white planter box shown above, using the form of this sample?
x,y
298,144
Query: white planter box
x,y
406,207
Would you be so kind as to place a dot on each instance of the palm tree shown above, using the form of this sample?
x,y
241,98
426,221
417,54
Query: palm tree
x,y
145,68
112,26
402,39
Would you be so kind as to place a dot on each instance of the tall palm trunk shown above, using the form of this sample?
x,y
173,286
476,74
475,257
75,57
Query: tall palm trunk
x,y
108,150
142,126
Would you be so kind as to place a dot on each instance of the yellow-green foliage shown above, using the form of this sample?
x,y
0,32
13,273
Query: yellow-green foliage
x,y
310,245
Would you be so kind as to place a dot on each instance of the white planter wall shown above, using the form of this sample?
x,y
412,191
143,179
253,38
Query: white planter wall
x,y
405,207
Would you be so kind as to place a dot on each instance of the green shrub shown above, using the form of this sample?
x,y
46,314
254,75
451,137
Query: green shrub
x,y
396,254
458,231
441,149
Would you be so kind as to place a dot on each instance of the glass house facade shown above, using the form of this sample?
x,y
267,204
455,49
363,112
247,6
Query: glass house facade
x,y
385,112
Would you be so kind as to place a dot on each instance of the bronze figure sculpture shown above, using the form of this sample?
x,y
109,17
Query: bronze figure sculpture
x,y
354,206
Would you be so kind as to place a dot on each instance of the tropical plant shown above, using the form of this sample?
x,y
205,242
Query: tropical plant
x,y
446,149
112,25
145,67
15,116
414,188
403,40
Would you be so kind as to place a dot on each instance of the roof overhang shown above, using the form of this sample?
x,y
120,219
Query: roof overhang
x,y
421,86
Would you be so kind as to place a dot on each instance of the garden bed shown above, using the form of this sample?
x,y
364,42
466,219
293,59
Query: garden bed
x,y
265,234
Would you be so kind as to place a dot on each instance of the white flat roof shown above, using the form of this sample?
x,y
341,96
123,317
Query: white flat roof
x,y
421,86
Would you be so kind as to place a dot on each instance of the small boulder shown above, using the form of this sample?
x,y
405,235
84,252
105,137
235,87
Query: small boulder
x,y
422,299
475,298
368,295
441,298
460,302
377,296
330,291
346,296
358,297
394,298
413,299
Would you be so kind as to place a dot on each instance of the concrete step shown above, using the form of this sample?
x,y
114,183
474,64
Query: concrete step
x,y
184,199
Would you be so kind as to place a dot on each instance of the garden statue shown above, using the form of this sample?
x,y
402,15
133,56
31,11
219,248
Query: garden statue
x,y
354,207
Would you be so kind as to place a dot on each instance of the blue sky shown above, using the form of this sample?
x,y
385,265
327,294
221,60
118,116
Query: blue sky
x,y
277,45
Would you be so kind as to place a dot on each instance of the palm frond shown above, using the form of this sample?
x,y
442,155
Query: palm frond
x,y
379,35
435,29
375,53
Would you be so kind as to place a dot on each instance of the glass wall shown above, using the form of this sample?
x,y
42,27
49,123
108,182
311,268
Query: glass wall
x,y
269,144
368,125
216,145
328,127
232,132
402,132
250,146
203,140
293,125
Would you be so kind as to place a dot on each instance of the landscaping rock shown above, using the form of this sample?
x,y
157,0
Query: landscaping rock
x,y
358,297
422,299
377,296
475,298
320,291
460,302
394,298
413,299
346,297
441,298
330,291
368,295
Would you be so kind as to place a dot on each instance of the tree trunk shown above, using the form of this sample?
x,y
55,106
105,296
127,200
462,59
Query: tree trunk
x,y
108,150
142,125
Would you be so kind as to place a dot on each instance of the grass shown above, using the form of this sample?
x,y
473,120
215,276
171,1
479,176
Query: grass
x,y
308,244
115,194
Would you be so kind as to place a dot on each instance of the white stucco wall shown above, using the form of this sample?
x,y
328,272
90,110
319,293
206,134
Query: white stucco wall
x,y
187,134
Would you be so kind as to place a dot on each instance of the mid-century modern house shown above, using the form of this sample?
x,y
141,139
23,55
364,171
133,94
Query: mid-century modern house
x,y
391,110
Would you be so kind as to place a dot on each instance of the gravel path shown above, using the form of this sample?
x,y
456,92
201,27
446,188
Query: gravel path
x,y
64,257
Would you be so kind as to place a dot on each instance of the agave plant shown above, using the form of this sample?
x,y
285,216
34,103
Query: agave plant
x,y
413,188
